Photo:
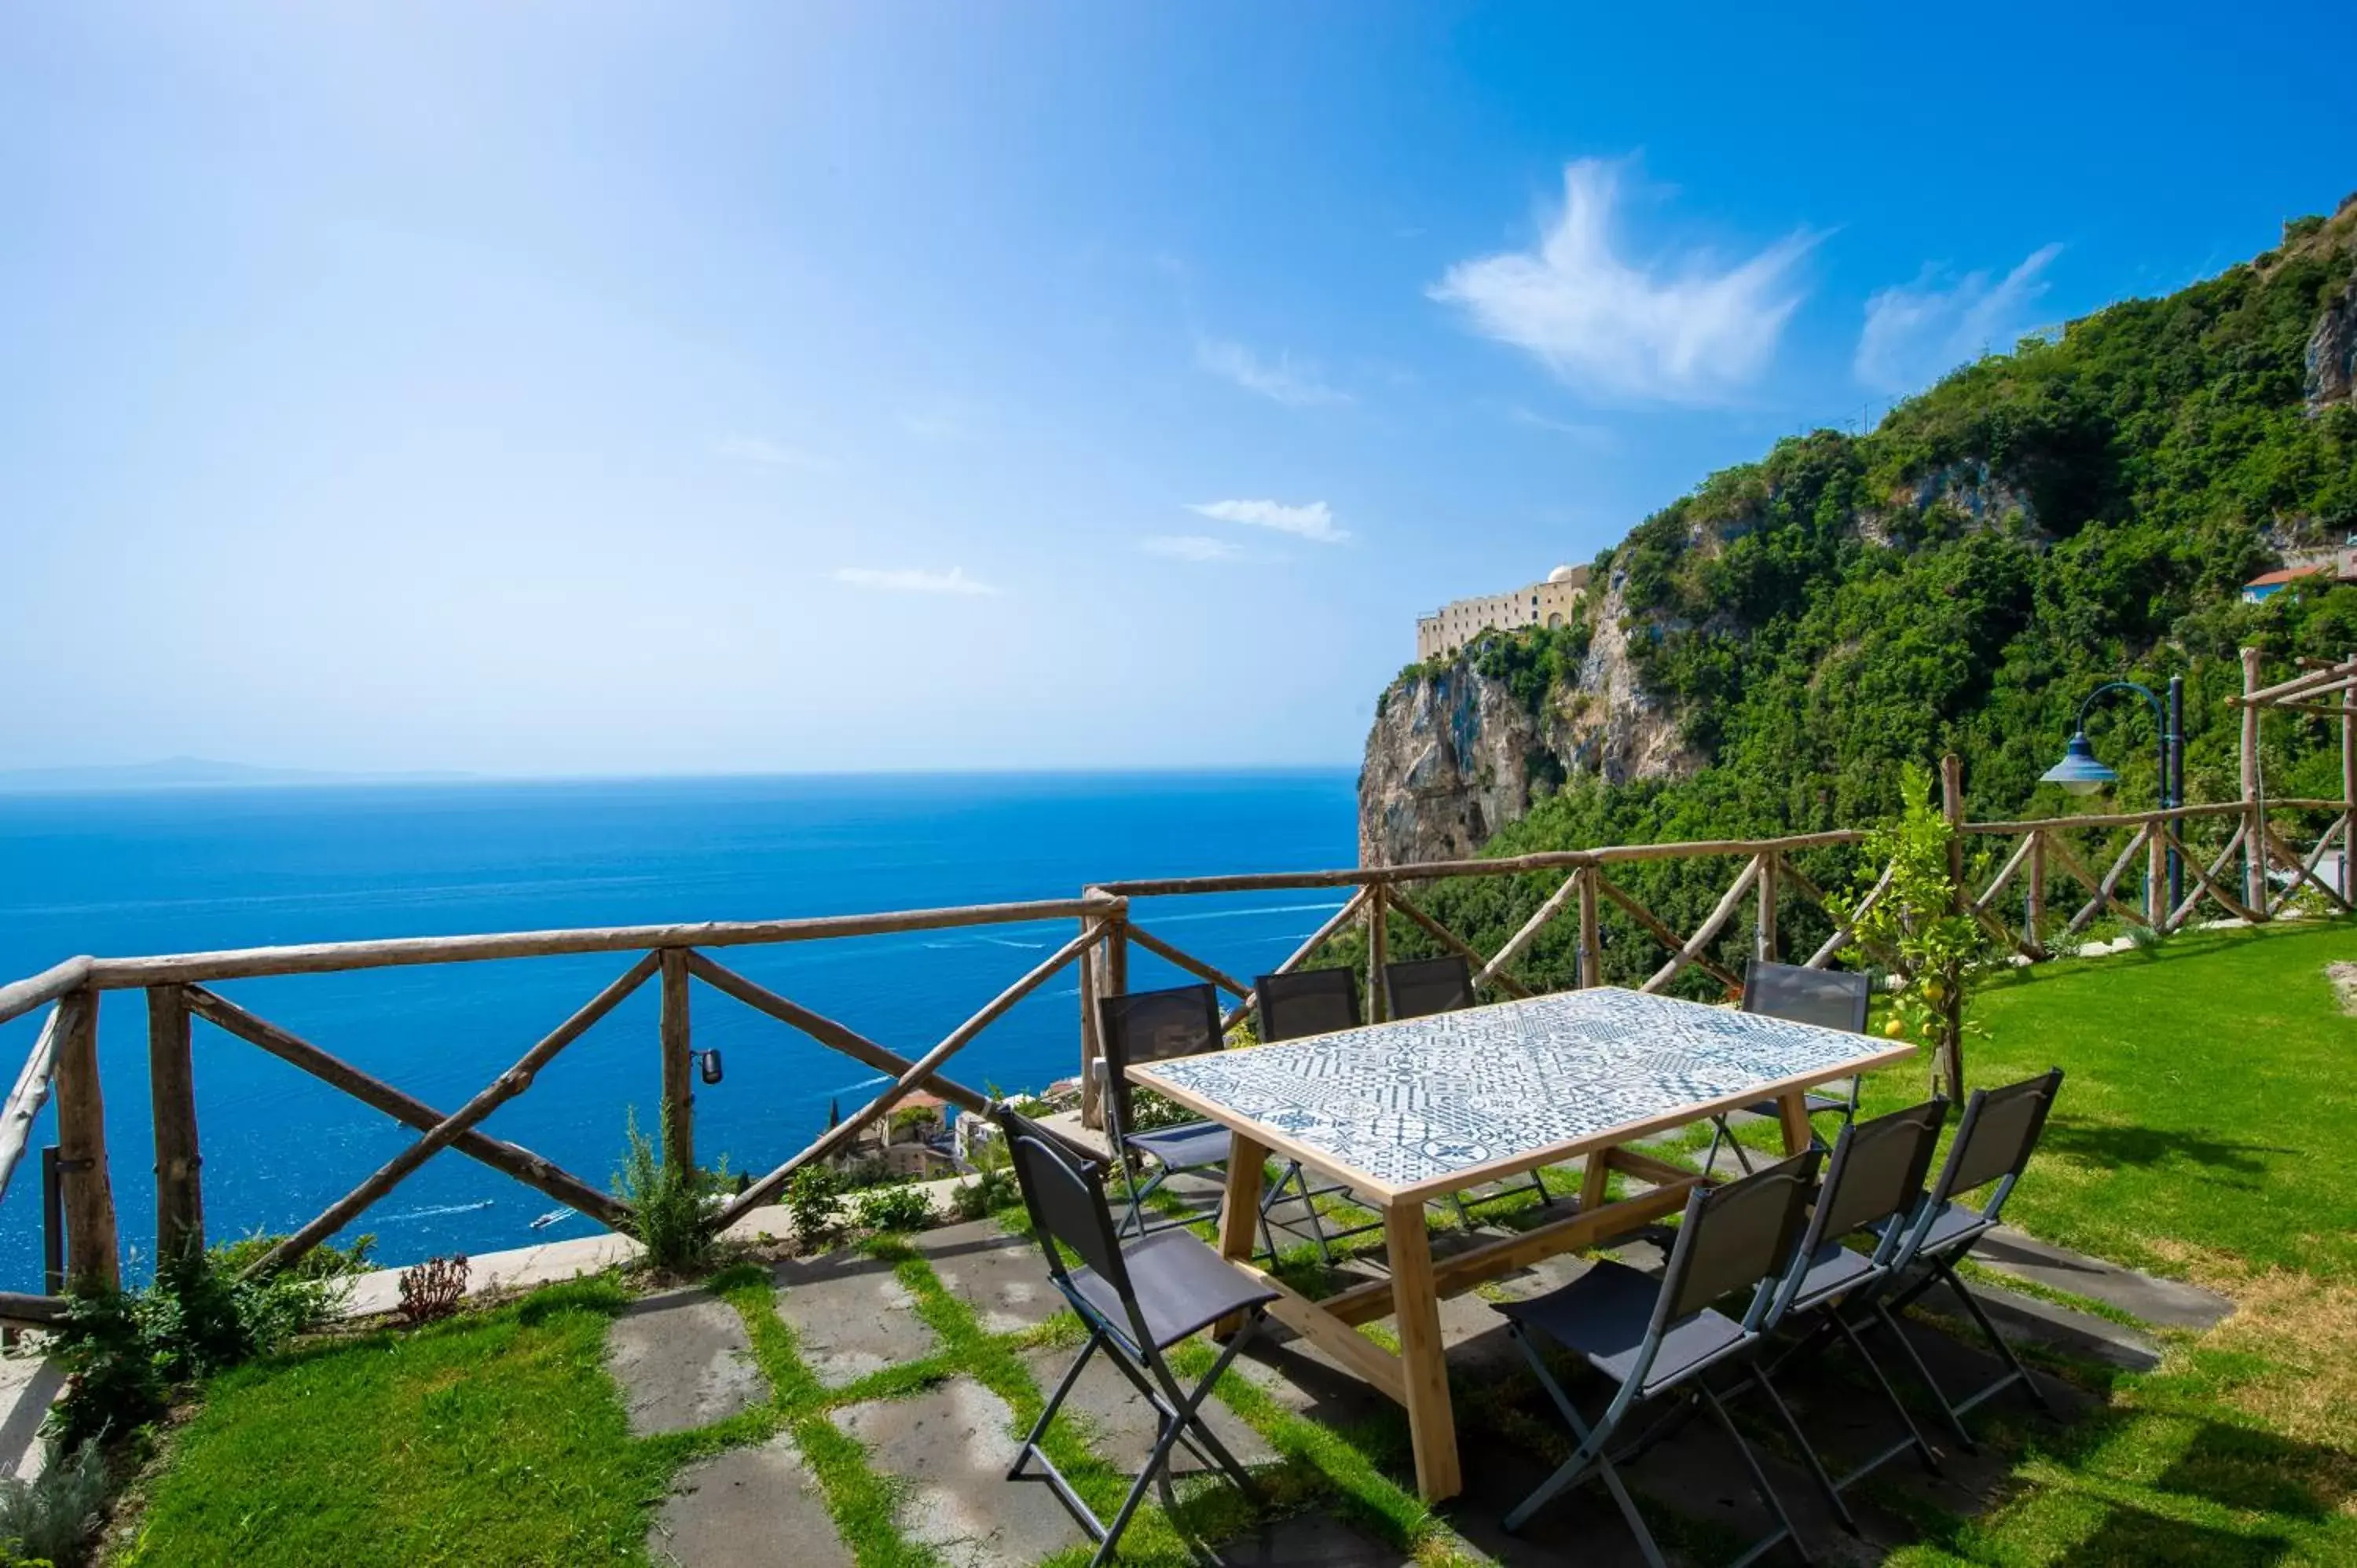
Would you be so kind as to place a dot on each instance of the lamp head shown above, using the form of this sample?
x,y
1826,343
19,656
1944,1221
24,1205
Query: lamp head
x,y
2079,772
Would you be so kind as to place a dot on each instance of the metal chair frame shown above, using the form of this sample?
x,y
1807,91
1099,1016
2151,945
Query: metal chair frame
x,y
1761,974
1288,1005
1066,1199
1698,1272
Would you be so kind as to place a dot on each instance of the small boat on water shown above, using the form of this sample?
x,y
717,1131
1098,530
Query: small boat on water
x,y
551,1218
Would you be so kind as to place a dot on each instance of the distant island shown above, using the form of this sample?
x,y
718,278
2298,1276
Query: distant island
x,y
192,773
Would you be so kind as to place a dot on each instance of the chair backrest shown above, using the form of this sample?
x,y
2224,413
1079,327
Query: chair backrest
x,y
1417,987
1994,1142
1065,1198
1306,1002
1828,998
1736,1236
1876,1172
1152,1027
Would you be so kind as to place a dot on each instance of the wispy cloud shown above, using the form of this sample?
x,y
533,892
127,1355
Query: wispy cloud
x,y
1917,332
1682,327
910,580
760,449
1586,434
1200,547
1314,521
1296,384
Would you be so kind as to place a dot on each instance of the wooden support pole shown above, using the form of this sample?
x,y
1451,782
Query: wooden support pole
x,y
1092,1052
1591,936
2156,878
1668,938
172,1098
2254,853
678,1063
826,1031
1378,951
1180,958
1951,1011
1690,951
2347,791
91,1249
1528,933
24,1101
1455,944
1764,939
2033,896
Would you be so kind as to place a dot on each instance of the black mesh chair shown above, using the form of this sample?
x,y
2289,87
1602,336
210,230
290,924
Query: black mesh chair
x,y
1827,998
1292,1005
1152,1027
1656,1338
1419,987
1136,1302
1999,1132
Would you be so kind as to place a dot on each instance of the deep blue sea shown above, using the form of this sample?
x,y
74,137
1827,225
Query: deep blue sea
x,y
128,874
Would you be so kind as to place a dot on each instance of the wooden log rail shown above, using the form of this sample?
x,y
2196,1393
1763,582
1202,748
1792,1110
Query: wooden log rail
x,y
1575,886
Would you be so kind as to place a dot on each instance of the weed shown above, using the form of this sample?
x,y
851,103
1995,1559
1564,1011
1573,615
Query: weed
x,y
52,1518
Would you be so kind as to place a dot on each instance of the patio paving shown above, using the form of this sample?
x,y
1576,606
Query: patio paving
x,y
944,1448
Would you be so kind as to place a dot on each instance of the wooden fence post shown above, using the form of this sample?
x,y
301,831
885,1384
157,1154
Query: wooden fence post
x,y
172,1098
2033,896
2156,877
2254,821
1378,951
2348,791
1092,1089
1951,1011
1764,939
90,1250
1591,938
678,1063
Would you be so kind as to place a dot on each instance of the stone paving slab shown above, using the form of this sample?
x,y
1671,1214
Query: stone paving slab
x,y
851,1317
1313,1539
682,1361
953,1445
749,1508
1003,1277
1121,1425
2163,1303
29,1384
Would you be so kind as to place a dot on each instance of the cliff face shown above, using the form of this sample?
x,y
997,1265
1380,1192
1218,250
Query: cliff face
x,y
1455,755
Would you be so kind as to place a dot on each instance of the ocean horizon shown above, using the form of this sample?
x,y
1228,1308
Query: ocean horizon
x,y
123,873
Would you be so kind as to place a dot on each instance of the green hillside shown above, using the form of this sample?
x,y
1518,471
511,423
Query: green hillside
x,y
2085,507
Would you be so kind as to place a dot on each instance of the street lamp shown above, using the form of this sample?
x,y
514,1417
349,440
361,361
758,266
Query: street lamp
x,y
2081,773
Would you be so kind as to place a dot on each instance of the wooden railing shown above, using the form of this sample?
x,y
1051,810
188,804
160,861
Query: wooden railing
x,y
2032,859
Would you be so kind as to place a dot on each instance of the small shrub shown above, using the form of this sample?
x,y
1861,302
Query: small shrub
x,y
810,1199
433,1290
991,1190
894,1208
113,1384
670,1206
53,1518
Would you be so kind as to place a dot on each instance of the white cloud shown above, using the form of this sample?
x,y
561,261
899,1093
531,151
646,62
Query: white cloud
x,y
1917,332
1295,385
769,454
1190,547
1678,328
1312,522
908,580
1586,434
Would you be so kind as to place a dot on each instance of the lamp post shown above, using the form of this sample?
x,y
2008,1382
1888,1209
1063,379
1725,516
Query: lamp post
x,y
2081,773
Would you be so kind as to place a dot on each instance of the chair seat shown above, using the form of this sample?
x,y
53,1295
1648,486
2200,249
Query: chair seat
x,y
1604,1315
1831,1270
1955,1222
1186,1148
1181,1284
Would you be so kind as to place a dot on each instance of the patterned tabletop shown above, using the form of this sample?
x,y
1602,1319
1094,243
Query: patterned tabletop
x,y
1423,1099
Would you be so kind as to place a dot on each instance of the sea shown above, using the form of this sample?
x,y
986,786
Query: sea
x,y
129,874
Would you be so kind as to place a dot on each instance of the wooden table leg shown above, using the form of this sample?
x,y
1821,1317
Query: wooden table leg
x,y
1240,1213
1432,1424
1792,1109
1594,1174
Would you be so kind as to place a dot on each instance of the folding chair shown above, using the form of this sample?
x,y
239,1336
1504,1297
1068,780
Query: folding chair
x,y
1999,1132
1827,998
1299,1003
1419,987
1874,1182
1157,1026
1135,1302
1657,1337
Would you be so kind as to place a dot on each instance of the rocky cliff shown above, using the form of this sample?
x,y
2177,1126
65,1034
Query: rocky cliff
x,y
1455,753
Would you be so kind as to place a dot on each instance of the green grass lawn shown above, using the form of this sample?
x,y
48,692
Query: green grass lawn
x,y
2204,1129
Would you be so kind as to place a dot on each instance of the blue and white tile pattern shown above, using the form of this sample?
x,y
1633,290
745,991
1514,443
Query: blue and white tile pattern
x,y
1421,1099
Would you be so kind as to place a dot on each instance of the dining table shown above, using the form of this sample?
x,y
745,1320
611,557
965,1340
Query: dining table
x,y
1405,1112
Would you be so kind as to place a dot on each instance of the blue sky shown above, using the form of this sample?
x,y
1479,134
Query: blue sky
x,y
653,388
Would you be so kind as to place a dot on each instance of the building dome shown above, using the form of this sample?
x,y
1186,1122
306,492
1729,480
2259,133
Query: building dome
x,y
1561,575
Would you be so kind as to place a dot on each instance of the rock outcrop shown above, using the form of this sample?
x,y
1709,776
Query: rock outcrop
x,y
1454,755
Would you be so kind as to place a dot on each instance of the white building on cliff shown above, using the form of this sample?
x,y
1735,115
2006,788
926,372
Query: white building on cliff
x,y
1454,625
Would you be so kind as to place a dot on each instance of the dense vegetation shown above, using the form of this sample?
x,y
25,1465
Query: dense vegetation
x,y
2082,508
